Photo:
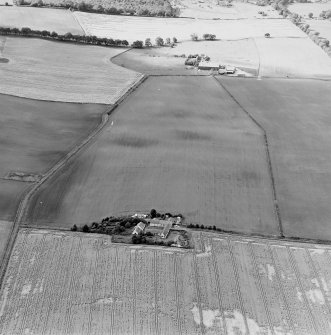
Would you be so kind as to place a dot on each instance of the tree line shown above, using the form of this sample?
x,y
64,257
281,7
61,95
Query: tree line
x,y
68,37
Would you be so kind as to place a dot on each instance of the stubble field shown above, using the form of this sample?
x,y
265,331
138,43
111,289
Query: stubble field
x,y
61,21
226,285
296,117
178,144
53,71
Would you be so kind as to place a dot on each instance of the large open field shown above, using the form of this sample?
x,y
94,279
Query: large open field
x,y
61,21
227,285
296,117
55,71
292,57
133,28
178,144
322,26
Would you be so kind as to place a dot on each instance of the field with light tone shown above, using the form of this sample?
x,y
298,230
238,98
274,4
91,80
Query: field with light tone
x,y
59,20
226,285
304,9
140,28
46,70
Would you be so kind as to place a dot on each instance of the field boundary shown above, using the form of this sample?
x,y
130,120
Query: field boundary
x,y
24,202
266,144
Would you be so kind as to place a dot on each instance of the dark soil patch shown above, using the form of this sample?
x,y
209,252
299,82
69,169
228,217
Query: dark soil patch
x,y
4,60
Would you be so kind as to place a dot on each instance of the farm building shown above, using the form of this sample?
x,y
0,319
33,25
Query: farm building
x,y
139,228
166,230
208,66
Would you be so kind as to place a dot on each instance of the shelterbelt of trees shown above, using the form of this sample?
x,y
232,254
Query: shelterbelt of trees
x,y
68,37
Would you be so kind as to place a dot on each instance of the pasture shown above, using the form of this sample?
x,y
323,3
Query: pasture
x,y
296,117
227,285
177,144
140,28
59,20
54,71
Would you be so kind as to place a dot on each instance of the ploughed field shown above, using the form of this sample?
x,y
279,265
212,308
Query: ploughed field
x,y
226,285
53,71
58,20
177,144
296,117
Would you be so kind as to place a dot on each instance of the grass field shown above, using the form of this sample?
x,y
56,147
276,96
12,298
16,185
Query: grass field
x,y
55,71
295,115
61,21
178,144
140,28
227,285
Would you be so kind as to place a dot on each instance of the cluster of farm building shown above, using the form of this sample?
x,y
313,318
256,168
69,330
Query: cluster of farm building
x,y
203,62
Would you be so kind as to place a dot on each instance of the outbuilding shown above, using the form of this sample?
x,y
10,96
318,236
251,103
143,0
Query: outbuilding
x,y
139,228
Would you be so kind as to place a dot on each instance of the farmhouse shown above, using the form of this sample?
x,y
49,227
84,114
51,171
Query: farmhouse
x,y
140,227
208,66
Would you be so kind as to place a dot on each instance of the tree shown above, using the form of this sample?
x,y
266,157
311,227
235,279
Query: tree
x,y
54,34
168,41
86,228
174,39
153,213
45,33
125,43
310,15
159,41
74,228
137,44
148,43
194,37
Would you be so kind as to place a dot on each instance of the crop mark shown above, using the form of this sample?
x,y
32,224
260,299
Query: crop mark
x,y
198,293
235,271
218,289
281,289
265,304
178,321
266,145
155,292
134,141
319,281
73,287
189,135
308,309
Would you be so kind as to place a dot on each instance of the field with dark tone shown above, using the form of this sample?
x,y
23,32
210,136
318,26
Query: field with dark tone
x,y
178,144
296,116
61,21
35,135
